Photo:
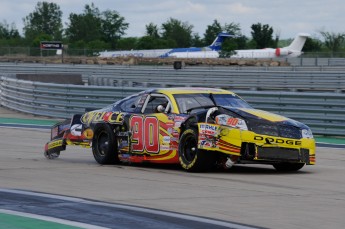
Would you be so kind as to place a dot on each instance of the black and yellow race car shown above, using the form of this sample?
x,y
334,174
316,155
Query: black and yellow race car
x,y
198,128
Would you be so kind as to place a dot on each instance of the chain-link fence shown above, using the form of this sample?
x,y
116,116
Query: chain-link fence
x,y
30,51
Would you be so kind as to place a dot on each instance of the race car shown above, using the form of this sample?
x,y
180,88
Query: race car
x,y
198,128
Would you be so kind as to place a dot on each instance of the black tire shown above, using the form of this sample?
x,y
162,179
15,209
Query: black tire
x,y
191,158
51,156
288,167
104,145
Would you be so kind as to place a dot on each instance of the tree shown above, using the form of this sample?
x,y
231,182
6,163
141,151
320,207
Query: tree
x,y
262,35
229,45
93,25
232,28
312,45
148,42
46,19
228,48
127,43
333,41
197,41
212,31
8,31
241,42
152,30
232,44
86,26
180,32
113,26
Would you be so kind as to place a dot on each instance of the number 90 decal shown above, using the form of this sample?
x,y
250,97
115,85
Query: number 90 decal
x,y
145,134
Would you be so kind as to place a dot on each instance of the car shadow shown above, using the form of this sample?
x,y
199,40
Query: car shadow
x,y
236,169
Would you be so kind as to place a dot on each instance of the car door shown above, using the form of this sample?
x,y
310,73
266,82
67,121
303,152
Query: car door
x,y
152,129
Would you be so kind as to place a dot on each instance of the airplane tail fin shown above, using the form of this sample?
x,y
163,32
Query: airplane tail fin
x,y
298,43
217,43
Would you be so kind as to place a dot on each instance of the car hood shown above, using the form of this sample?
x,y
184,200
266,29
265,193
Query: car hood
x,y
254,115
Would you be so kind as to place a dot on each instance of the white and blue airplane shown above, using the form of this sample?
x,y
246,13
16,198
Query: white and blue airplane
x,y
205,52
212,51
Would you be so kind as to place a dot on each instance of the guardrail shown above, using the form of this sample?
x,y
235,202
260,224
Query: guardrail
x,y
309,79
15,68
323,112
227,79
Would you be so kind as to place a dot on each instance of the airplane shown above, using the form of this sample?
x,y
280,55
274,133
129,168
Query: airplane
x,y
293,50
211,50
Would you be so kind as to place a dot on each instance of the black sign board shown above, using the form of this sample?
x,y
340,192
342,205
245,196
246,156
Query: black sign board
x,y
52,45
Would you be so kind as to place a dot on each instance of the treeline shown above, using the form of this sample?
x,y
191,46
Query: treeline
x,y
104,30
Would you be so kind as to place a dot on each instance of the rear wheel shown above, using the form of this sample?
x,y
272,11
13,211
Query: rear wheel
x,y
104,146
191,158
288,167
51,155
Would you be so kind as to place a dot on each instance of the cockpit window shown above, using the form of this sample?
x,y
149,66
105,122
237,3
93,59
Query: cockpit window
x,y
130,104
189,101
229,100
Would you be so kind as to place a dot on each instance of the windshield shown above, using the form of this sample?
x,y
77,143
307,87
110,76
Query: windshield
x,y
189,101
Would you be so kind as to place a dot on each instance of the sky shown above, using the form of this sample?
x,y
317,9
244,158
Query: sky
x,y
286,17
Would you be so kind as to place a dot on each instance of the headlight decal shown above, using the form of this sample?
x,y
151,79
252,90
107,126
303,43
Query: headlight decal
x,y
306,133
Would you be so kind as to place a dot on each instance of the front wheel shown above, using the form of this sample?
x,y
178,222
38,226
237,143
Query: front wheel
x,y
191,158
288,167
104,147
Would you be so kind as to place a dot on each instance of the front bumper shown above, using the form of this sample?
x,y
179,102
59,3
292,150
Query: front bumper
x,y
256,147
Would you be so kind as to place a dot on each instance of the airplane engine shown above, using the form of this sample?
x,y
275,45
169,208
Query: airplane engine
x,y
281,52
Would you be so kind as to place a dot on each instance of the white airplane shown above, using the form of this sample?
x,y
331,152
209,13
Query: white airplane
x,y
293,50
211,51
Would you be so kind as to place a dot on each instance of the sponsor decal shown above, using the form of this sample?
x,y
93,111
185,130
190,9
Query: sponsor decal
x,y
208,129
166,139
122,134
164,147
178,124
171,116
55,144
180,118
272,140
102,116
122,144
205,143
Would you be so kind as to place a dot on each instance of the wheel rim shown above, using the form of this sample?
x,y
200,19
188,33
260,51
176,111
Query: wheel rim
x,y
102,143
190,148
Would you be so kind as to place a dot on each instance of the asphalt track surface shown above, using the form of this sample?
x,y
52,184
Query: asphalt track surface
x,y
76,192
253,195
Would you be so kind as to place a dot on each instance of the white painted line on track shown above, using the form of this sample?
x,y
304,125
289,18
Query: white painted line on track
x,y
52,219
25,128
133,208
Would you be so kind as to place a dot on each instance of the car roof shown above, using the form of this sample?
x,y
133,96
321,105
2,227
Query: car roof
x,y
190,90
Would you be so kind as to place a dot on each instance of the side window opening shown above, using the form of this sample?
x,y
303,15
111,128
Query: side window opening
x,y
153,104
